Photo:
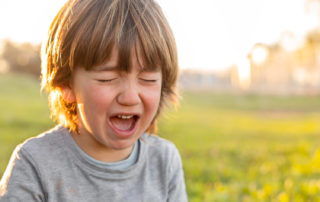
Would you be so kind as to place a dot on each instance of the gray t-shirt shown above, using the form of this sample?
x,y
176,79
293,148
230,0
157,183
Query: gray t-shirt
x,y
119,165
51,168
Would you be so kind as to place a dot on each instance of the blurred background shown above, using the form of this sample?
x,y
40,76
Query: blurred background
x,y
248,125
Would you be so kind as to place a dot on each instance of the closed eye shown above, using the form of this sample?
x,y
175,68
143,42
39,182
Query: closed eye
x,y
105,80
149,80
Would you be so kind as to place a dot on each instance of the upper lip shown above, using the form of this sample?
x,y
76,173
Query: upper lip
x,y
125,114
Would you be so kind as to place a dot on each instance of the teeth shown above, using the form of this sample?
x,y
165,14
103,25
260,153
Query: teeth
x,y
125,117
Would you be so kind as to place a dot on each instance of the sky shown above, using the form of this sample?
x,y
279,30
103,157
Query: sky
x,y
210,34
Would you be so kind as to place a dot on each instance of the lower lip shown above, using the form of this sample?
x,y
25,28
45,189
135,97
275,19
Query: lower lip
x,y
125,133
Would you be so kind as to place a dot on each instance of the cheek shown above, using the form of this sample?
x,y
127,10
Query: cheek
x,y
152,99
95,99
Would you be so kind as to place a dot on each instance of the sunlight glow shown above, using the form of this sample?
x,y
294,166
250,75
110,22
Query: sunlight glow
x,y
54,95
219,33
214,37
259,54
23,21
244,73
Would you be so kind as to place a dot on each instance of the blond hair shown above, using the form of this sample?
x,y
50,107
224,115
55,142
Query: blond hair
x,y
83,34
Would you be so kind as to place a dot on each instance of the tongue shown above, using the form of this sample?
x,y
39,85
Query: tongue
x,y
122,124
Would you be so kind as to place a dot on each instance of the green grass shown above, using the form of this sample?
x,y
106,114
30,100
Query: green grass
x,y
234,148
23,113
248,148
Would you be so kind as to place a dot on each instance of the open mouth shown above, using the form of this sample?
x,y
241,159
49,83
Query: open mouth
x,y
124,122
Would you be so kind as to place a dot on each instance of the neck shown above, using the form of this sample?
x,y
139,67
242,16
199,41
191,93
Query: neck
x,y
98,151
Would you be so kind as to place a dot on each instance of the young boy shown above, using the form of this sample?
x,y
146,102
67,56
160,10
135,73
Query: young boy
x,y
109,67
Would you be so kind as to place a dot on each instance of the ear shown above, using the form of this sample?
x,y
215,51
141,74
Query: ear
x,y
67,94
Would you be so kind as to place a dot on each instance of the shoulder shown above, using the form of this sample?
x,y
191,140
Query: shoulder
x,y
50,141
158,147
26,174
164,163
154,142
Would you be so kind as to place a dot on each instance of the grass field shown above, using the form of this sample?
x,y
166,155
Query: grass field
x,y
234,148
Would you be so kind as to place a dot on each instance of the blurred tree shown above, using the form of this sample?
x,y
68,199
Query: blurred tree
x,y
22,57
308,55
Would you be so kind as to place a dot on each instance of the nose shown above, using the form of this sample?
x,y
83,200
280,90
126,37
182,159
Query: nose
x,y
129,95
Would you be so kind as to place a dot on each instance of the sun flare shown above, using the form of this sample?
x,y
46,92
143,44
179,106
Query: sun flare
x,y
244,73
259,54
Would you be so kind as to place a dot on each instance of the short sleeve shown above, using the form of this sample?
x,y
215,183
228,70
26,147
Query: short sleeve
x,y
21,181
177,188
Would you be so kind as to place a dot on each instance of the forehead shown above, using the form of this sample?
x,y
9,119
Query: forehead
x,y
123,60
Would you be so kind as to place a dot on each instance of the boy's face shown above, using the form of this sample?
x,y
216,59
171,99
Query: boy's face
x,y
115,108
